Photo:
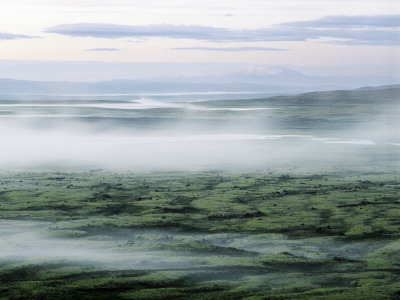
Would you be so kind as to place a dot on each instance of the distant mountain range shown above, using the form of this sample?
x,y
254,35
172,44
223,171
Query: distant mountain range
x,y
254,79
283,77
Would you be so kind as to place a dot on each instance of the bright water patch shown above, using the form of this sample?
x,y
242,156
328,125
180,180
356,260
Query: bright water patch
x,y
139,104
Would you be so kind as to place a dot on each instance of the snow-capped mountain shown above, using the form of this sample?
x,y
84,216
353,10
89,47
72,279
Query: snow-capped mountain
x,y
261,70
265,75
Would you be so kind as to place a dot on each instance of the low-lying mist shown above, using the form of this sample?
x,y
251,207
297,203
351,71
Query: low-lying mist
x,y
177,150
146,134
159,249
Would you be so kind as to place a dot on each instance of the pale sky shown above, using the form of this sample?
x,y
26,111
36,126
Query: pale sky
x,y
295,33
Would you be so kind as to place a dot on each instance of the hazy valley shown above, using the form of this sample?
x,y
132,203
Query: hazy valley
x,y
179,196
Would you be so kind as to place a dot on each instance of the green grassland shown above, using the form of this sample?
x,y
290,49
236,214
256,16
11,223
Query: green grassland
x,y
206,235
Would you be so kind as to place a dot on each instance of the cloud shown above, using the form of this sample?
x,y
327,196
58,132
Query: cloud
x,y
385,21
103,49
101,30
229,49
352,30
11,36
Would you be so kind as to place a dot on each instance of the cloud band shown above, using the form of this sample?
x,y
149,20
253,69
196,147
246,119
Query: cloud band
x,y
358,30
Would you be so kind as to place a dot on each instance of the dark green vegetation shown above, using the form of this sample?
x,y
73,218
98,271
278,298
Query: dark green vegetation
x,y
201,235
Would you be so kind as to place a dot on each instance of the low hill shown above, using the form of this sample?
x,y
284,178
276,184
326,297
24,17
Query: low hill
x,y
370,96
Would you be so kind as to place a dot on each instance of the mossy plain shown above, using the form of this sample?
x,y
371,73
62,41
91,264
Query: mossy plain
x,y
201,235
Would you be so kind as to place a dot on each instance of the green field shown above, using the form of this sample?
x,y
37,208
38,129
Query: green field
x,y
200,235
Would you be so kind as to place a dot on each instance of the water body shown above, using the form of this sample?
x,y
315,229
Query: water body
x,y
137,104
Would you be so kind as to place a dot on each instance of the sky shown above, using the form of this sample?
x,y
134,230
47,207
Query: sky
x,y
65,39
